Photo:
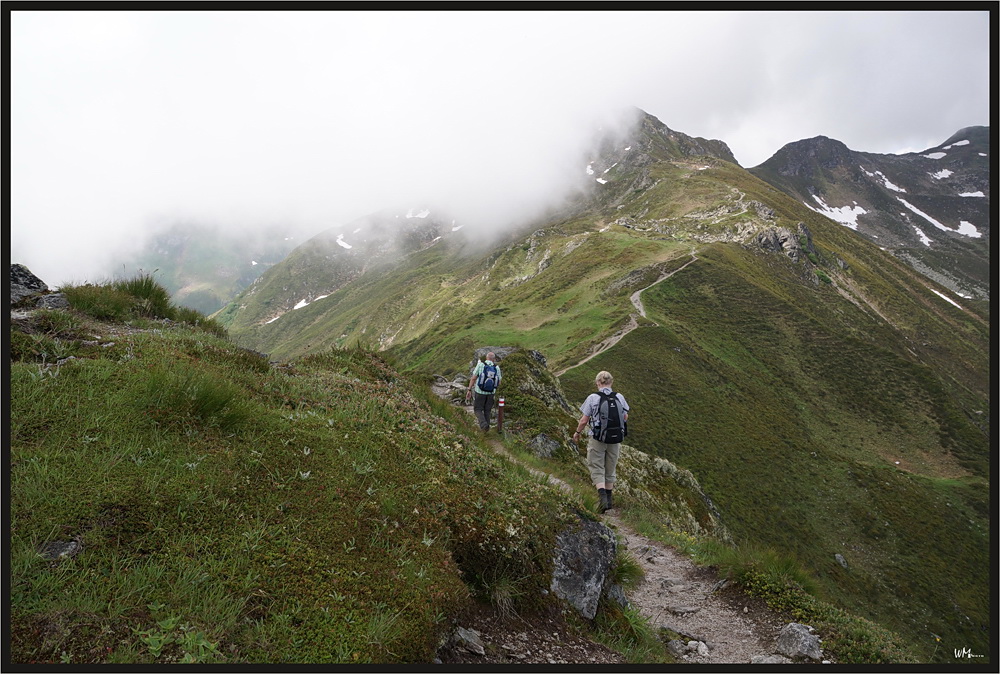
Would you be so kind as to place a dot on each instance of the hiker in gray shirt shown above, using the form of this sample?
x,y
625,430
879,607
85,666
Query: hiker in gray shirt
x,y
605,441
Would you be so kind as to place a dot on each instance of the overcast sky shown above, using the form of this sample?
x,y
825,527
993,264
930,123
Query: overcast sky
x,y
121,122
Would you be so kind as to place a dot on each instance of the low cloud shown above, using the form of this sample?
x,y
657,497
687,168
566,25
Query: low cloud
x,y
122,122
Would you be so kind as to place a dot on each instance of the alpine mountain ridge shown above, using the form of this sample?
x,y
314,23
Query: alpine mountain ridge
x,y
831,396
930,209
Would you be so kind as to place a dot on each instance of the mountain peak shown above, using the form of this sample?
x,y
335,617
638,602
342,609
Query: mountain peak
x,y
978,136
805,156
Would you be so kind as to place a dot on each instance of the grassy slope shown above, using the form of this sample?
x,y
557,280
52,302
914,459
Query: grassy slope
x,y
794,425
234,512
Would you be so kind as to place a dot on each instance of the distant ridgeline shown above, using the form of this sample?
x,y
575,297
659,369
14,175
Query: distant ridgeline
x,y
930,209
203,266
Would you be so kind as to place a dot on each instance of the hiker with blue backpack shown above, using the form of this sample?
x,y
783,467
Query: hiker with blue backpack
x,y
606,413
485,381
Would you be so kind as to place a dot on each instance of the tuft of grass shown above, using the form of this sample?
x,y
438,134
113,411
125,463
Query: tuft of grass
x,y
626,631
505,592
182,393
152,299
627,571
134,299
758,562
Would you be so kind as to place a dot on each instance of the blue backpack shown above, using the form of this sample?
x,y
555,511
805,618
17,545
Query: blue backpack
x,y
487,382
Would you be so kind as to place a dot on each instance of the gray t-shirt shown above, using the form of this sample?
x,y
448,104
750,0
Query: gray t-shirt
x,y
589,406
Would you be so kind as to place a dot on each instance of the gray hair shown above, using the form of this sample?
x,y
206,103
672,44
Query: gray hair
x,y
604,378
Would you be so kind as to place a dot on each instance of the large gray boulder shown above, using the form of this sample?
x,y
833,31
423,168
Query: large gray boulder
x,y
584,557
24,284
798,641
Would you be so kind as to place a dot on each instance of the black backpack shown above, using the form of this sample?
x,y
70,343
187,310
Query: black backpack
x,y
610,427
488,378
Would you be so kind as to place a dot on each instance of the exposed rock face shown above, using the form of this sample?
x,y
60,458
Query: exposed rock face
x,y
27,291
584,557
779,240
23,283
53,301
798,641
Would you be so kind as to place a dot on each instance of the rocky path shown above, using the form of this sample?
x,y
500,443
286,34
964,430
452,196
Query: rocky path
x,y
717,624
692,601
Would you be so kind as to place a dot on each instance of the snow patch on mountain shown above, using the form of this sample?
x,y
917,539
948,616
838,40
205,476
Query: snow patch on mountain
x,y
946,298
885,181
923,237
305,303
845,215
965,228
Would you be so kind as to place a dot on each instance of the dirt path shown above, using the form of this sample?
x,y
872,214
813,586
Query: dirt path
x,y
675,594
692,601
637,300
632,324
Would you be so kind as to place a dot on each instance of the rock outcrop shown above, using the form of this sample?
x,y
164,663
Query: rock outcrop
x,y
798,641
783,240
24,284
584,558
27,291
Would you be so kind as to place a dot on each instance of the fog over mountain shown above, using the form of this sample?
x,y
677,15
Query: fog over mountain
x,y
125,122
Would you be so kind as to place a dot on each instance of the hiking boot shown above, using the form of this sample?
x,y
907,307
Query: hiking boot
x,y
604,505
611,503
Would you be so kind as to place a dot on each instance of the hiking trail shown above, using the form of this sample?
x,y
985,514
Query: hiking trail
x,y
632,324
675,594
